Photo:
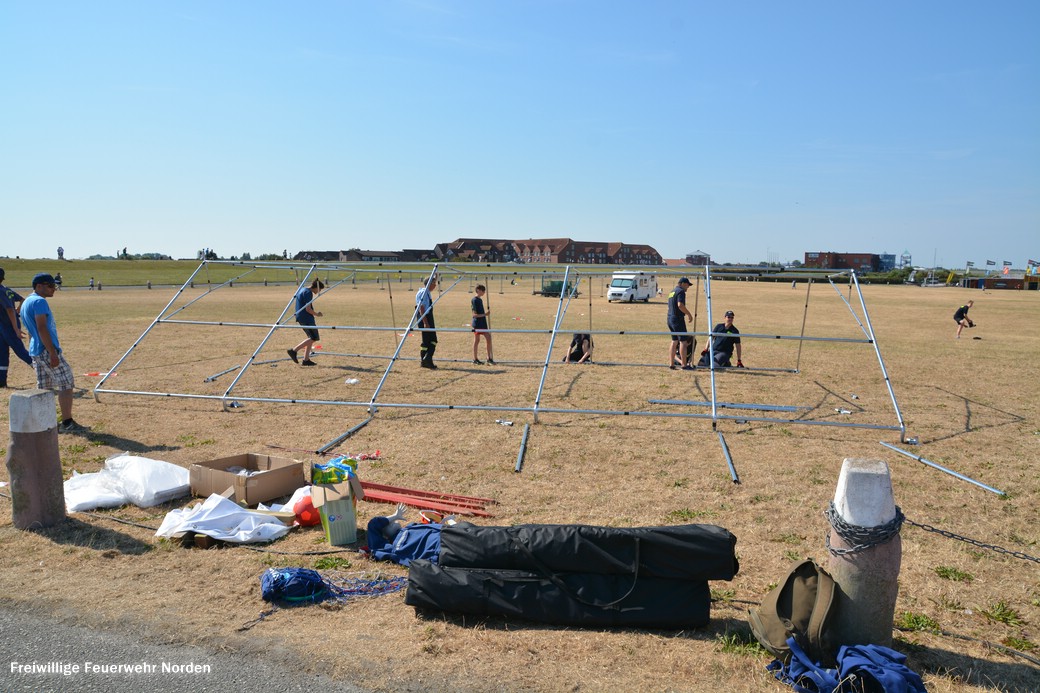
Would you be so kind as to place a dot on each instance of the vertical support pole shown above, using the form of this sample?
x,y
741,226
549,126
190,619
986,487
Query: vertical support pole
x,y
560,310
867,580
801,335
33,462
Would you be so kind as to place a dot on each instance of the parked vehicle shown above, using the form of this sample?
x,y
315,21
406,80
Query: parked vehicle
x,y
632,286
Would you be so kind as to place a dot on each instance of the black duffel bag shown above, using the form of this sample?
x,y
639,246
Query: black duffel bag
x,y
681,552
570,599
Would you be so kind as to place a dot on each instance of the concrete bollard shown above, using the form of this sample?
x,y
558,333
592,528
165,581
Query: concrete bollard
x,y
33,462
867,580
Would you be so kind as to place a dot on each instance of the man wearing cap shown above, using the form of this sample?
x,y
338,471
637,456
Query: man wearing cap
x,y
723,344
676,324
11,334
52,370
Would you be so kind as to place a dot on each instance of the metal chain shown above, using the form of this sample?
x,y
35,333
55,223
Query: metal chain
x,y
975,542
860,538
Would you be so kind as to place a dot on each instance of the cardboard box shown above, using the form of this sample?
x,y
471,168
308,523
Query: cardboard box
x,y
275,477
336,504
339,522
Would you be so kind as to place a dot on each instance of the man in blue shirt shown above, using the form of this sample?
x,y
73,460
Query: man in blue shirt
x,y
424,310
52,370
305,315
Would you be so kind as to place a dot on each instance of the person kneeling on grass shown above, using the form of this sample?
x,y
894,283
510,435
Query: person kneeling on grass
x,y
723,344
580,350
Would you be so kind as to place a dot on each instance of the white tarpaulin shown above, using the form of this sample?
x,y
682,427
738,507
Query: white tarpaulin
x,y
126,478
222,519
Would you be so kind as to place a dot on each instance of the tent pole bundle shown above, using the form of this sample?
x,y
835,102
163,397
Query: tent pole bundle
x,y
573,279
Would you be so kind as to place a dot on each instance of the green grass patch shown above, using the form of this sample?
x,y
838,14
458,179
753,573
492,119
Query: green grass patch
x,y
686,514
908,620
1020,644
332,563
190,441
740,642
950,573
1002,612
723,596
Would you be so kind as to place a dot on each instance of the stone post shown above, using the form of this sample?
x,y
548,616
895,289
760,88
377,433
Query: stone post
x,y
866,580
33,462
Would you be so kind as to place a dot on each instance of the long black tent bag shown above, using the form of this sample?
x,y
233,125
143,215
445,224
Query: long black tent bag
x,y
573,599
681,552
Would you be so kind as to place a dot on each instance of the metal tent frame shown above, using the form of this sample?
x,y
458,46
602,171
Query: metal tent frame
x,y
579,277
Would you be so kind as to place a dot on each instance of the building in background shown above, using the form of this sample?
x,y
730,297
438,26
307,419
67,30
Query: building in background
x,y
861,262
698,257
532,250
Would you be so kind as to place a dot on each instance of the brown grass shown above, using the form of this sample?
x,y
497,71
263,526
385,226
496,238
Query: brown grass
x,y
971,403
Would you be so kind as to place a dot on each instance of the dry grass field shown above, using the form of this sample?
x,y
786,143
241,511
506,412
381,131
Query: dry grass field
x,y
971,403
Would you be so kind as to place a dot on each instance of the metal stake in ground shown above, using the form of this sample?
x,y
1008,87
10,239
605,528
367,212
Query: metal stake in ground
x,y
865,553
33,462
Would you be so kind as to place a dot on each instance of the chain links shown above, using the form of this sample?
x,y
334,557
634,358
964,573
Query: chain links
x,y
974,542
860,538
863,538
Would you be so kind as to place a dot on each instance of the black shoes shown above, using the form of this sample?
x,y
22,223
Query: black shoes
x,y
71,426
307,362
478,362
292,355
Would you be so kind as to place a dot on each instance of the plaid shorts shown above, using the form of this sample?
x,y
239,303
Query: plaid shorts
x,y
58,378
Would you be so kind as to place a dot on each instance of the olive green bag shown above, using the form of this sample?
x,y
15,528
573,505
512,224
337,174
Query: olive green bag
x,y
800,606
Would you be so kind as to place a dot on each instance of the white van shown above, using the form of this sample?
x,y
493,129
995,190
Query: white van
x,y
632,286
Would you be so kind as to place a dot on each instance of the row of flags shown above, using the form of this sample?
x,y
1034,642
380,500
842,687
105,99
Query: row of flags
x,y
1007,263
1032,266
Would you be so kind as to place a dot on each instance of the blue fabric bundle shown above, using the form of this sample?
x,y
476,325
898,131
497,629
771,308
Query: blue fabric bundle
x,y
882,668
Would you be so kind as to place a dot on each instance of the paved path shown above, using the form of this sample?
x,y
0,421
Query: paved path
x,y
93,657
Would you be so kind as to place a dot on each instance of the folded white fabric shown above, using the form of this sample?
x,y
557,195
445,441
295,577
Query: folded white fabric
x,y
223,519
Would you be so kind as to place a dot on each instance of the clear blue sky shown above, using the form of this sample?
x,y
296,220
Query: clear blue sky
x,y
752,131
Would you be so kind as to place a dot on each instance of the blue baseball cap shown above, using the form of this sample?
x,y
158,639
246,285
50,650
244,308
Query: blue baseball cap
x,y
42,278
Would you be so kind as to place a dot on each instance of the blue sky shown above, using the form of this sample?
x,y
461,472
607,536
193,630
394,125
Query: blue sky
x,y
752,131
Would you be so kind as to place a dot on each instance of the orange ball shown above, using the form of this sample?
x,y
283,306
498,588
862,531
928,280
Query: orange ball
x,y
306,514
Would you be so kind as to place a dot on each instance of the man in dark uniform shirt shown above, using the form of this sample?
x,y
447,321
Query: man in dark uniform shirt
x,y
678,316
723,344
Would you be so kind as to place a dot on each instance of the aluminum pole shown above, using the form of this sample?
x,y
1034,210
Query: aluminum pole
x,y
881,361
943,469
560,310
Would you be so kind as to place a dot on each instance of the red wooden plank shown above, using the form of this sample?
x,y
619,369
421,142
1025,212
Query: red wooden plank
x,y
451,497
422,503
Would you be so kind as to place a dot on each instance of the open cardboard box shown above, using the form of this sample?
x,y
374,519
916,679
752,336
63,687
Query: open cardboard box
x,y
336,507
275,477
